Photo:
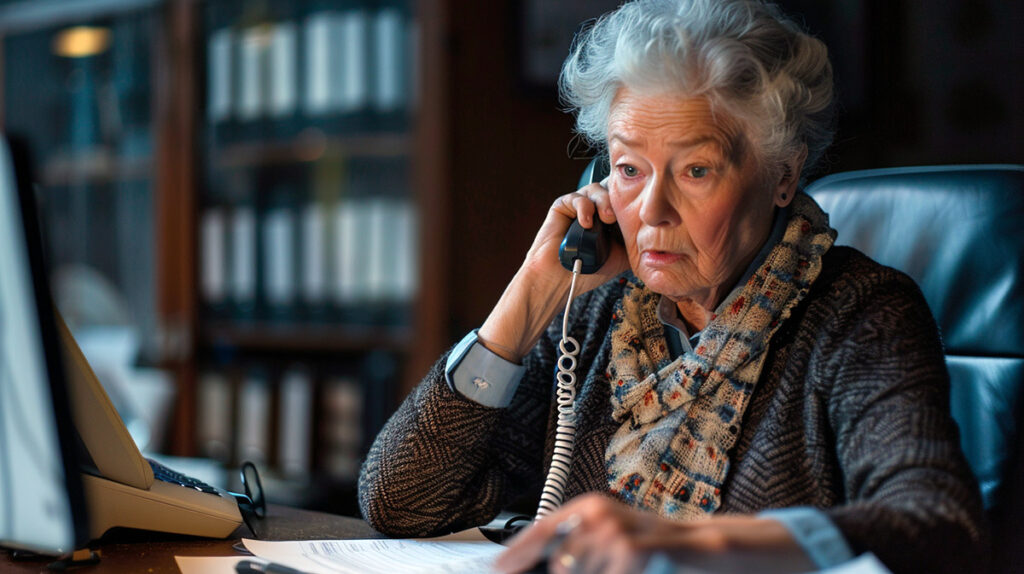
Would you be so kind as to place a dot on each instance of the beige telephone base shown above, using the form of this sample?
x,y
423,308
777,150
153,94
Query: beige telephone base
x,y
127,494
165,507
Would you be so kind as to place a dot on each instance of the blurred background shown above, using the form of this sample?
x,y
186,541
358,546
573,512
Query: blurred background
x,y
265,219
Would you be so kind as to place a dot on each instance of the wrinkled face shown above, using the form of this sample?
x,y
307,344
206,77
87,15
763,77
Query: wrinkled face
x,y
686,189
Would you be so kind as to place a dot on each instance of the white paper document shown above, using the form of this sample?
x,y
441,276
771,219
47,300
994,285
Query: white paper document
x,y
466,552
383,556
208,564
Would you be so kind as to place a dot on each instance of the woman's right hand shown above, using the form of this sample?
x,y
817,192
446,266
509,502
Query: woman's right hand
x,y
539,289
584,204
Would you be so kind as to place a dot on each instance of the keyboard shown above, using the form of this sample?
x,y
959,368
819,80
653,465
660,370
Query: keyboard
x,y
165,474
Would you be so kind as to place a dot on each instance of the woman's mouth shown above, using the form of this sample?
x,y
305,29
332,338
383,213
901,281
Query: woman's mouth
x,y
655,258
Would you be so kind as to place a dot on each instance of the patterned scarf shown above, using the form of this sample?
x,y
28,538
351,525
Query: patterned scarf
x,y
680,418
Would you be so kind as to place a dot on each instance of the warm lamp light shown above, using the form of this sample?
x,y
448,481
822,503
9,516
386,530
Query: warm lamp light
x,y
81,41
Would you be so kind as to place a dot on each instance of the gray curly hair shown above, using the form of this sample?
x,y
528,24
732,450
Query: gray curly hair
x,y
744,56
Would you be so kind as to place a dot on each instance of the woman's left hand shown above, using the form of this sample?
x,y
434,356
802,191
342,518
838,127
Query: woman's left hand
x,y
610,537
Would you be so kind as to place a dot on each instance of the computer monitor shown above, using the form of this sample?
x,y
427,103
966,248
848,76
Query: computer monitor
x,y
42,507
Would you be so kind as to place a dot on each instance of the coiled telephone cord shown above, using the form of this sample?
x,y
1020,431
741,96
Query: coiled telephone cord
x,y
565,430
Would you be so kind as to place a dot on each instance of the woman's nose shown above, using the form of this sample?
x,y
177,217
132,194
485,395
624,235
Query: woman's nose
x,y
655,206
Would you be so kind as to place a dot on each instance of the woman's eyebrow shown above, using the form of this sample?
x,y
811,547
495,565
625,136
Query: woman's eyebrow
x,y
627,141
720,145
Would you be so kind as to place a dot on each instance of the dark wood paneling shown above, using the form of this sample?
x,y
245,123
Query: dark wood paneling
x,y
509,160
175,108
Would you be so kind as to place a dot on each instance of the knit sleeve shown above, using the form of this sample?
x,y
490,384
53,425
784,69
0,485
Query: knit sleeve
x,y
443,463
911,497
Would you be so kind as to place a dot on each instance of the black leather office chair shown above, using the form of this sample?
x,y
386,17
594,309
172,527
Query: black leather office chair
x,y
959,232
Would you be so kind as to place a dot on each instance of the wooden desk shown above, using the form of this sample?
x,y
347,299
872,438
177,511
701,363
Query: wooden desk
x,y
153,552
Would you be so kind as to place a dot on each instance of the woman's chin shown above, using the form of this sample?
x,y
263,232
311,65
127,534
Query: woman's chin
x,y
660,280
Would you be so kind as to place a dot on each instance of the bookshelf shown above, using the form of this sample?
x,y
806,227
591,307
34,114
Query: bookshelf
x,y
96,167
326,338
317,185
310,146
249,153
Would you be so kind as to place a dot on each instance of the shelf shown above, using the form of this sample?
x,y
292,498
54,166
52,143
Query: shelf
x,y
99,166
311,145
275,337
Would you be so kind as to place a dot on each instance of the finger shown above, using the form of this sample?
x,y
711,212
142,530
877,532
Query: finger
x,y
594,546
593,561
566,205
625,564
565,563
585,209
599,195
623,559
576,553
604,207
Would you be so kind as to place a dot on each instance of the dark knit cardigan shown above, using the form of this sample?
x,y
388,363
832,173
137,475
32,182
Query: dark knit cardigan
x,y
850,415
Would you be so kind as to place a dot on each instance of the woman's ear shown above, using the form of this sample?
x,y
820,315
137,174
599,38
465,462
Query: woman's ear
x,y
786,187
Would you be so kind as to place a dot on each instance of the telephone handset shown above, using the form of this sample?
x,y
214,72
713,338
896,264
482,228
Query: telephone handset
x,y
582,251
591,246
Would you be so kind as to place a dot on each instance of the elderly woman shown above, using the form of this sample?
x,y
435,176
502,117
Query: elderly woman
x,y
750,397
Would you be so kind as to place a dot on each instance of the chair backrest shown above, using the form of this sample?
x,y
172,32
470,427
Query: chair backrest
x,y
959,232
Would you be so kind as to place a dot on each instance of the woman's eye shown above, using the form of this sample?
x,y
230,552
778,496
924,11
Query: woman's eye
x,y
629,171
698,172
